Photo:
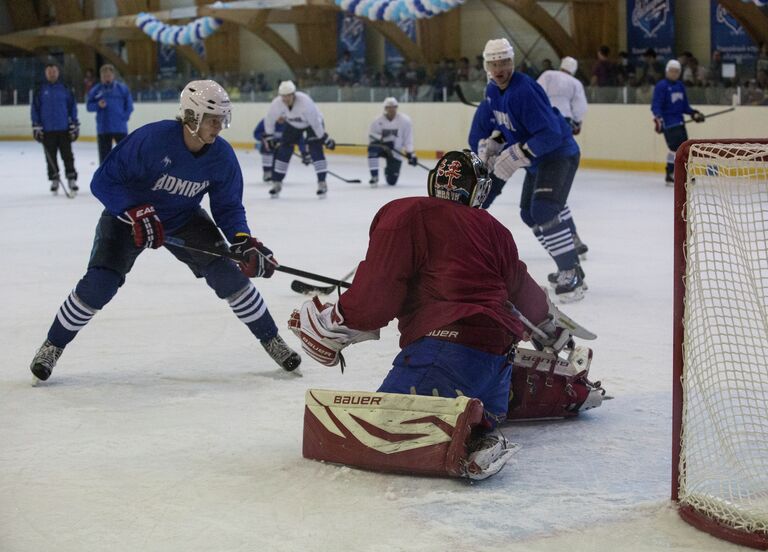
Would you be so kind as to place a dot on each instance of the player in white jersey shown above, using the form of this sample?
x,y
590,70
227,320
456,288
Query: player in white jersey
x,y
389,133
302,119
566,92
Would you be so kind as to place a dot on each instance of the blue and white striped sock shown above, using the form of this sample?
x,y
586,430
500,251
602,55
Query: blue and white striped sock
x,y
321,168
72,317
249,306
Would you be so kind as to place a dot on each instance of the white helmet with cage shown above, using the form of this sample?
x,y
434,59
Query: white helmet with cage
x,y
497,49
204,97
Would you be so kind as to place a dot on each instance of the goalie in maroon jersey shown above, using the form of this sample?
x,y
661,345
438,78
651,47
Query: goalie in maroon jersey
x,y
451,275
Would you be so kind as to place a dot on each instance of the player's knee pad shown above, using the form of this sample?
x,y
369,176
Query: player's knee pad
x,y
98,287
544,211
223,276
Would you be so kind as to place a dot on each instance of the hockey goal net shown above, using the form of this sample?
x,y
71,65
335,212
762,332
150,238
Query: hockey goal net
x,y
720,414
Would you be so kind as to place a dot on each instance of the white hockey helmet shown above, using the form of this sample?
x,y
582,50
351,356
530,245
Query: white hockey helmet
x,y
390,102
286,87
202,97
497,49
673,64
569,65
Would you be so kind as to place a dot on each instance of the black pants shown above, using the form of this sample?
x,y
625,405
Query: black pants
x,y
105,143
55,141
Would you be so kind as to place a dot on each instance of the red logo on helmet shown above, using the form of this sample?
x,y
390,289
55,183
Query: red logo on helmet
x,y
453,170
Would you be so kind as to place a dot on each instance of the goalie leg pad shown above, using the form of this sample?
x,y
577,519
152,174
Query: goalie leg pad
x,y
390,432
545,386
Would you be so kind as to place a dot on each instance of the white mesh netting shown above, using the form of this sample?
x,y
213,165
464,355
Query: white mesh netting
x,y
724,441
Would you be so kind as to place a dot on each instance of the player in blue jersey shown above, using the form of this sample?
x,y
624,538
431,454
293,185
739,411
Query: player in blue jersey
x,y
55,125
267,152
534,136
669,104
151,185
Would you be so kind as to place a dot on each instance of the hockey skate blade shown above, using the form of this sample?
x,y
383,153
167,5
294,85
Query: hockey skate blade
x,y
495,466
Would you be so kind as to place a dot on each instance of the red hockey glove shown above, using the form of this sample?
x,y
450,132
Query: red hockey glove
x,y
321,330
258,260
145,225
658,125
698,116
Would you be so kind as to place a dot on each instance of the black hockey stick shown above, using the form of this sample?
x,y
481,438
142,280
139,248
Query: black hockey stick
x,y
178,242
715,114
69,193
462,98
385,146
311,289
347,180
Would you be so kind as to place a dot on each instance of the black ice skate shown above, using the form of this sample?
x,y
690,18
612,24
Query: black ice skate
x,y
55,186
267,177
552,277
73,185
275,190
44,361
322,189
282,353
374,181
570,285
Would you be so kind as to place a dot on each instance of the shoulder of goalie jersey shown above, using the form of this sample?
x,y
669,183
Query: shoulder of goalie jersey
x,y
391,432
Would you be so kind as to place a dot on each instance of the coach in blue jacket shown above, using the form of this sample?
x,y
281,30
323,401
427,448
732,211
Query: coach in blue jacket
x,y
55,125
112,102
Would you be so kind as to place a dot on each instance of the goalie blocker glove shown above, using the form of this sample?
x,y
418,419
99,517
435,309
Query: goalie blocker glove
x,y
146,227
321,330
258,260
511,159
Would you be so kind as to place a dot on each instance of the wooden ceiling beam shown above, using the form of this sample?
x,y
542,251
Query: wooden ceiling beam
x,y
752,18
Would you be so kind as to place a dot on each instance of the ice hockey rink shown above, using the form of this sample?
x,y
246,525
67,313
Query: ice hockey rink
x,y
165,426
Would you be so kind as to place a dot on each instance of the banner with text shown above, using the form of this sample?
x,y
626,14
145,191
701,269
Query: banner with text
x,y
730,38
392,56
166,61
351,38
651,24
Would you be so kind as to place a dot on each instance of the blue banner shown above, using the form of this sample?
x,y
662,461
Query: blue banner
x,y
650,24
166,61
392,56
728,36
351,38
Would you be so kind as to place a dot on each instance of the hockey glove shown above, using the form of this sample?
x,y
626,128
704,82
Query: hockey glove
x,y
37,133
575,126
306,158
74,131
328,142
412,159
658,125
509,160
258,261
552,336
321,330
145,225
489,148
698,116
269,143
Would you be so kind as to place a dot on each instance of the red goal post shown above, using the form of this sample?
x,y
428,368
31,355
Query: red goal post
x,y
720,341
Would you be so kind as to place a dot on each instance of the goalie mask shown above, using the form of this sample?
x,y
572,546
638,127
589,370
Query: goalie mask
x,y
204,97
460,176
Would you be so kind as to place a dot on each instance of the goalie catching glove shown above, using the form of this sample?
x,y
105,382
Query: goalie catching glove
x,y
258,261
321,330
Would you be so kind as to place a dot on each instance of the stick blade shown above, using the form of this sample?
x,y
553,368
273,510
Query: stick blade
x,y
311,289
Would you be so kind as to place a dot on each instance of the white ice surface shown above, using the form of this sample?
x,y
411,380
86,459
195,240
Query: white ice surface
x,y
166,427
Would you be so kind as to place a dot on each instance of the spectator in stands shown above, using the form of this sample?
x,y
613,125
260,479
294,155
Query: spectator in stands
x,y
715,74
413,77
762,79
762,59
650,70
478,72
752,94
602,72
546,65
442,82
261,84
694,74
462,72
346,70
112,102
625,71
